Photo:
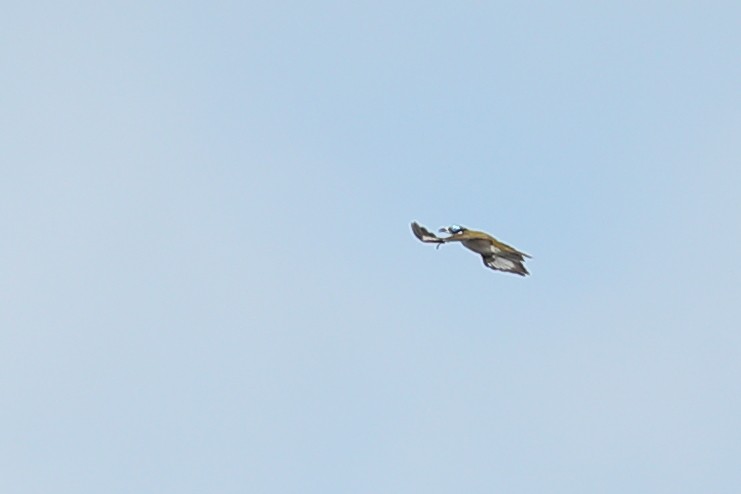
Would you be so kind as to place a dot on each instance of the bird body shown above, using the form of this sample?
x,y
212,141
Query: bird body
x,y
495,254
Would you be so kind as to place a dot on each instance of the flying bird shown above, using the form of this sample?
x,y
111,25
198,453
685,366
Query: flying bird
x,y
495,254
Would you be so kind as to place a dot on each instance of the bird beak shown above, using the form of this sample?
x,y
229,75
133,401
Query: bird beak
x,y
444,229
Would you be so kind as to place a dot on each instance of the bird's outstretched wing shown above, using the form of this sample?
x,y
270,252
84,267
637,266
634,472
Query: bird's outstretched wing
x,y
508,251
424,234
505,264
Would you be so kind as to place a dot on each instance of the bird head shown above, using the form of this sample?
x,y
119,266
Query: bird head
x,y
452,229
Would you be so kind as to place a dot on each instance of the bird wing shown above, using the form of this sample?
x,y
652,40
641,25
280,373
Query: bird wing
x,y
424,234
505,264
508,250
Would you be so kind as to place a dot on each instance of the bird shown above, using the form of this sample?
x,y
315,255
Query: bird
x,y
496,255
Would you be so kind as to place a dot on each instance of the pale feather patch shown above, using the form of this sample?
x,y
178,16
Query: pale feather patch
x,y
503,264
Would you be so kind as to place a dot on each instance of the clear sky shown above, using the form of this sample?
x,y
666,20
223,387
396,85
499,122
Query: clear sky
x,y
208,282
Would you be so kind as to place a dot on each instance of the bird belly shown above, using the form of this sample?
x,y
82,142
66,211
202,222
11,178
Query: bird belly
x,y
480,246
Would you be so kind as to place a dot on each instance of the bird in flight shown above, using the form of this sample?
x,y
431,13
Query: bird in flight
x,y
495,254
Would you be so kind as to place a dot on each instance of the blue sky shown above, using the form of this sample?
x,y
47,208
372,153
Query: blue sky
x,y
209,284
